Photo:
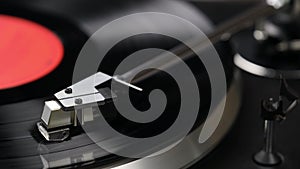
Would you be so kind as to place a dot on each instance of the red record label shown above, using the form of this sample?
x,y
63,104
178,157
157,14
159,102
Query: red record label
x,y
28,51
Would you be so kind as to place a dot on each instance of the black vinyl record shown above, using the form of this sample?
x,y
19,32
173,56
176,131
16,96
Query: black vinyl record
x,y
74,23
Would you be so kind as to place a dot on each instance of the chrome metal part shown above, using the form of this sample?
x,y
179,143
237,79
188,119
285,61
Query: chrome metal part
x,y
259,70
60,113
84,90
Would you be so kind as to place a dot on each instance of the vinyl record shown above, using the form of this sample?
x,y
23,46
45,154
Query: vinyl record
x,y
66,28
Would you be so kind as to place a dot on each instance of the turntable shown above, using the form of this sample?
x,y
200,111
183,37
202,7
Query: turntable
x,y
146,84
